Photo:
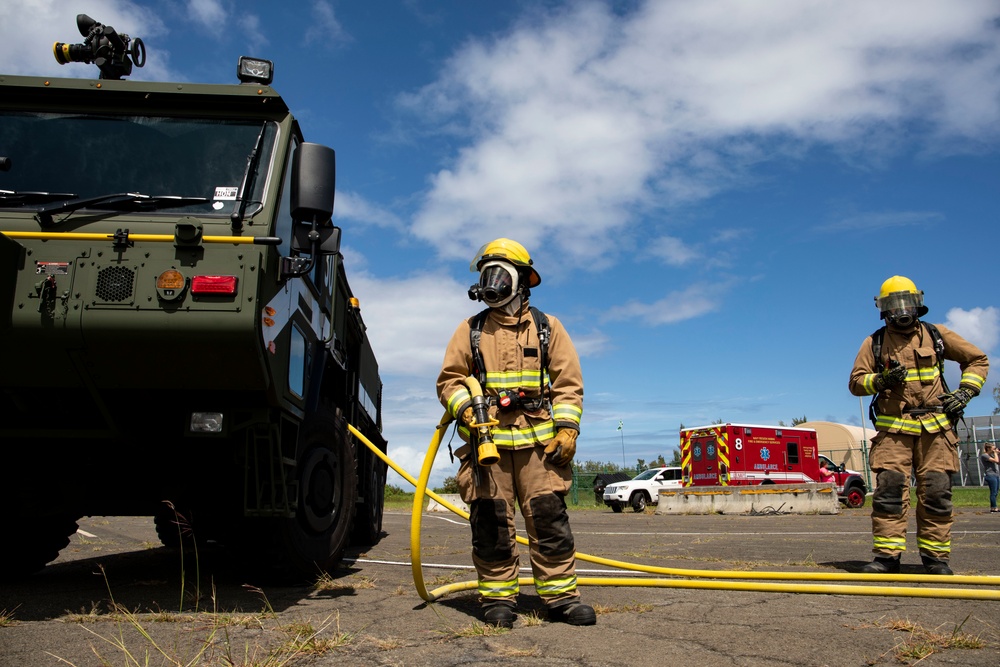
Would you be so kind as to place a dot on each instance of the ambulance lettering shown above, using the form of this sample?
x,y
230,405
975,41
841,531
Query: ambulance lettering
x,y
765,455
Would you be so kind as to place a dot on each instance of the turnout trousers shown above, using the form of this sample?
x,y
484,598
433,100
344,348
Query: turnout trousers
x,y
522,476
933,458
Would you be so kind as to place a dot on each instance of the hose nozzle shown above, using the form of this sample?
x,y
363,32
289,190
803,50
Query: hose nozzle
x,y
487,453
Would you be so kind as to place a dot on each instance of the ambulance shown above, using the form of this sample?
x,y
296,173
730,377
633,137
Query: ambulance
x,y
746,454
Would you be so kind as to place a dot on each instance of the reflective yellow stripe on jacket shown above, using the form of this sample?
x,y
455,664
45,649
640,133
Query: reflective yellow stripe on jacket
x,y
926,375
932,423
973,380
523,379
567,412
516,438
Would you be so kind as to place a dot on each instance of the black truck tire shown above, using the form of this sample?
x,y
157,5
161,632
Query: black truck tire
x,y
855,496
33,542
314,539
175,525
368,522
638,501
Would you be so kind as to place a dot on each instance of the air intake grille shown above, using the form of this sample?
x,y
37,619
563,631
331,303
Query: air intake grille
x,y
114,283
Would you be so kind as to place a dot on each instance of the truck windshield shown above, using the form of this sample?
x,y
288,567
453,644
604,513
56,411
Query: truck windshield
x,y
74,156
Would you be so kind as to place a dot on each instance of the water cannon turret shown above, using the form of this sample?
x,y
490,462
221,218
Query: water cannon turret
x,y
104,46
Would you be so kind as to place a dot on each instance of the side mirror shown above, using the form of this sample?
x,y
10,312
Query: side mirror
x,y
327,236
314,182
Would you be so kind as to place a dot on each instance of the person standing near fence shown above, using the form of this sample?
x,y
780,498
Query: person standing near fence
x,y
991,474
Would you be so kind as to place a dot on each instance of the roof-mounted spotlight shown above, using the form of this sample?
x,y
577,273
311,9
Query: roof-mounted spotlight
x,y
255,70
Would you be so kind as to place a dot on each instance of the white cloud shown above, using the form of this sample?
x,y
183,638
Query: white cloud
x,y
210,14
980,326
324,27
351,206
250,25
27,50
692,302
673,251
880,221
411,319
580,122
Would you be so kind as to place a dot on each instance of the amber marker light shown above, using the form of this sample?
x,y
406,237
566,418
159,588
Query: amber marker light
x,y
170,279
170,285
215,285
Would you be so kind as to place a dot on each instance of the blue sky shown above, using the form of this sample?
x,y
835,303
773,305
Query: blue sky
x,y
712,191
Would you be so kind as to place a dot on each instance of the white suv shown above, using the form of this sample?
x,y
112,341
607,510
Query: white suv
x,y
642,490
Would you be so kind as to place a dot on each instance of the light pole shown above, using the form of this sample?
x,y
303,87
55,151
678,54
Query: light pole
x,y
621,429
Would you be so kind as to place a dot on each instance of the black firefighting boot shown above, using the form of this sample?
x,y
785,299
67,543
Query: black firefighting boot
x,y
574,613
935,565
499,613
882,565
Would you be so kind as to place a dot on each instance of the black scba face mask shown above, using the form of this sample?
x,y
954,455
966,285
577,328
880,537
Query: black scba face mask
x,y
496,284
901,309
901,318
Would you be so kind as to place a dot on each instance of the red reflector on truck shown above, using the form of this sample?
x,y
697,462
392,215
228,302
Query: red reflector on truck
x,y
213,285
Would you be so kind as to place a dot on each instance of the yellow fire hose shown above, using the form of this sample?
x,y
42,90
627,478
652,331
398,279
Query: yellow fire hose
x,y
725,575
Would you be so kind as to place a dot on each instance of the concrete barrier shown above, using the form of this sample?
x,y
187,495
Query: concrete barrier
x,y
765,498
453,498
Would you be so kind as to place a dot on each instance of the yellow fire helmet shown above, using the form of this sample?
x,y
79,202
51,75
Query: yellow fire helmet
x,y
899,296
508,250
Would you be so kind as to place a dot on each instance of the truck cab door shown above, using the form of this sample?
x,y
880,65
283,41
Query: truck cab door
x,y
297,320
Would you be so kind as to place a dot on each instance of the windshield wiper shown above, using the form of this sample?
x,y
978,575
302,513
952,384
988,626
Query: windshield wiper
x,y
124,201
14,198
249,178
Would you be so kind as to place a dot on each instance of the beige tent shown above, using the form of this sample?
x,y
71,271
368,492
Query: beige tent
x,y
842,443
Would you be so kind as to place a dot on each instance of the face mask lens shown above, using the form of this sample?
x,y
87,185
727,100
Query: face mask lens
x,y
497,283
901,308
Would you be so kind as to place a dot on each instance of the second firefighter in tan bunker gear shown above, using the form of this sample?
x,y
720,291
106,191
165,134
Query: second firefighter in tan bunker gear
x,y
914,415
534,390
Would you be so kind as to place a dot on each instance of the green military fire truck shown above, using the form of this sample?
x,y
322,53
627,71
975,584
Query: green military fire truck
x,y
178,337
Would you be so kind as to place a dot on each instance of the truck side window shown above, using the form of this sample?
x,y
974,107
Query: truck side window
x,y
283,218
793,453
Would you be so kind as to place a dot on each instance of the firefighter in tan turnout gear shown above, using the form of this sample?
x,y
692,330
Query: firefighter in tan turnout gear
x,y
914,414
531,380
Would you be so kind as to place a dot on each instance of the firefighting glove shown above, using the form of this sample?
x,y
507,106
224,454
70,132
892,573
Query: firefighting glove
x,y
955,402
890,377
469,417
561,448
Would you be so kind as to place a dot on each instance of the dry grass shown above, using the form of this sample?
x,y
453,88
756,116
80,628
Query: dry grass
x,y
531,619
7,618
514,652
327,583
475,629
920,642
627,608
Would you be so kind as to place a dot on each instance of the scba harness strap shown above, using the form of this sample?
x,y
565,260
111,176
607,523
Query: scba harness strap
x,y
878,337
479,367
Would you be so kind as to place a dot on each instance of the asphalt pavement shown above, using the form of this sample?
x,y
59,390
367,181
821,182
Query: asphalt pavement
x,y
116,597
